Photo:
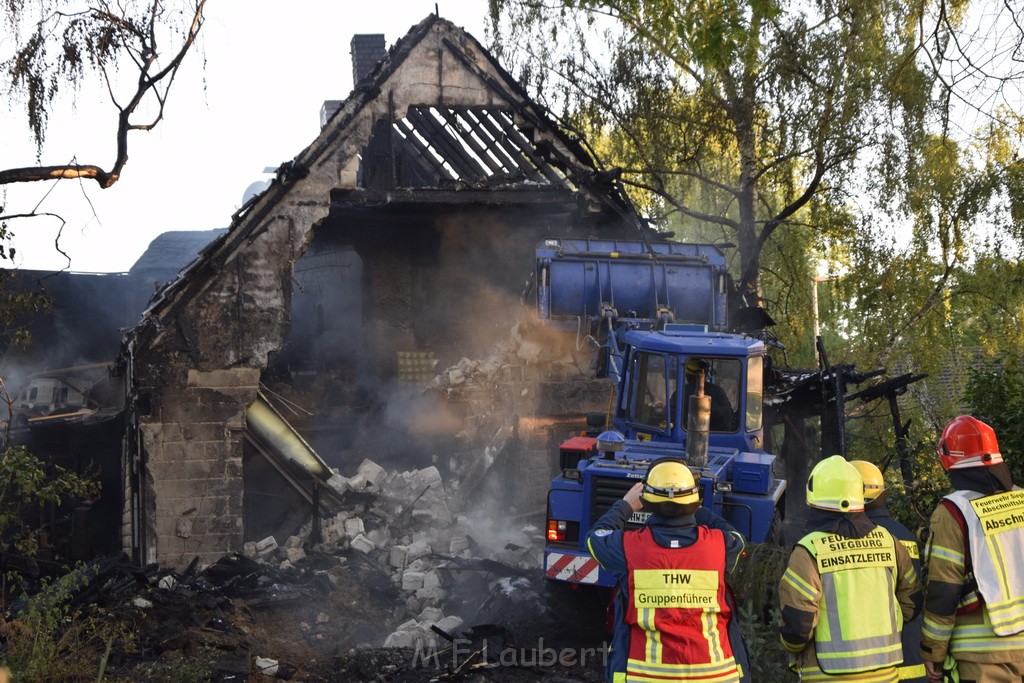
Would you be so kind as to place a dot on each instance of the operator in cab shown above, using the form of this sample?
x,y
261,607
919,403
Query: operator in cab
x,y
675,617
849,586
723,413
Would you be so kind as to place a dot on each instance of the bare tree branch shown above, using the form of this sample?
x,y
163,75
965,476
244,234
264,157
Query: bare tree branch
x,y
141,47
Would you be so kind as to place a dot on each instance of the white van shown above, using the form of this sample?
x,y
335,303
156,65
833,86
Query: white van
x,y
46,395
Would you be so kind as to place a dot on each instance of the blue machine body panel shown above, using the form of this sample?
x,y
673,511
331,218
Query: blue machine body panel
x,y
579,277
651,308
604,480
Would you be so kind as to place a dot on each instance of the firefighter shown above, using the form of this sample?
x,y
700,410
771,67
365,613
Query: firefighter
x,y
673,610
974,612
849,586
875,498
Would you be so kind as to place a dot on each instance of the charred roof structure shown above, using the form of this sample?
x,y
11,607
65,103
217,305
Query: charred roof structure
x,y
403,232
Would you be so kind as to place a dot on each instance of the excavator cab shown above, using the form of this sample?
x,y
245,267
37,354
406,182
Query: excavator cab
x,y
663,369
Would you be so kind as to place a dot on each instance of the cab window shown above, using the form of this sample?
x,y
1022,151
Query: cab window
x,y
722,382
650,390
755,393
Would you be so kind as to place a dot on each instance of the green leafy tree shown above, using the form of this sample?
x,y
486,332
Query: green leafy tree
x,y
861,128
16,303
942,301
995,395
733,115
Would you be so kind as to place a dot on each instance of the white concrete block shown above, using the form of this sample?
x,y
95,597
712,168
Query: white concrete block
x,y
450,625
428,476
354,527
371,472
417,550
362,544
396,558
267,543
338,483
412,580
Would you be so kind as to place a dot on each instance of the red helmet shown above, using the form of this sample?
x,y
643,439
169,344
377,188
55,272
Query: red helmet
x,y
968,442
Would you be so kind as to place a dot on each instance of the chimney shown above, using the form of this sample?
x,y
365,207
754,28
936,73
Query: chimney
x,y
329,109
367,50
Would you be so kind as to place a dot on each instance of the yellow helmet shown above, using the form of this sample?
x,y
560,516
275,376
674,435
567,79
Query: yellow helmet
x,y
874,482
670,481
835,485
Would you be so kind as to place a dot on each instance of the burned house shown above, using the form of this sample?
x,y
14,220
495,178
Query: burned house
x,y
65,405
398,242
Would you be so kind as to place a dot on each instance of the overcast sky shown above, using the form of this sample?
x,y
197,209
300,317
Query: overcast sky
x,y
269,67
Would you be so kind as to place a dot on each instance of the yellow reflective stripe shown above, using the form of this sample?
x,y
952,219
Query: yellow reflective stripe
x,y
936,631
855,661
910,574
799,585
998,564
654,638
743,545
731,677
708,620
792,647
881,676
1008,615
830,503
981,638
712,668
992,643
913,671
946,554
619,677
590,550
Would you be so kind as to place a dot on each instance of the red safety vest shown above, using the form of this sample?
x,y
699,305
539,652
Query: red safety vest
x,y
676,610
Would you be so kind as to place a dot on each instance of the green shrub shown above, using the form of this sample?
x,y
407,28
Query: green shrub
x,y
49,641
27,482
914,506
755,582
995,395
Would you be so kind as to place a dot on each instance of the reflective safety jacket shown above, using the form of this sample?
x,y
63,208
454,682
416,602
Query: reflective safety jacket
x,y
676,610
956,619
856,572
843,601
995,534
912,668
606,541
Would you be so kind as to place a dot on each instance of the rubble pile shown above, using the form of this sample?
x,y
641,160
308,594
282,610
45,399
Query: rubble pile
x,y
411,526
532,351
517,404
400,575
443,561
401,572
